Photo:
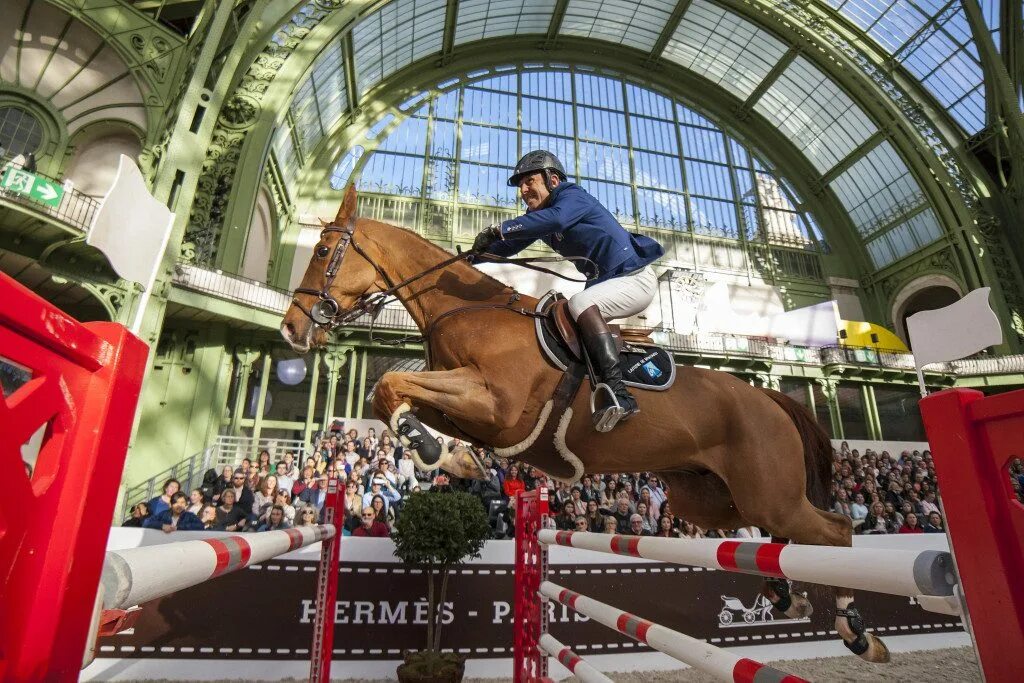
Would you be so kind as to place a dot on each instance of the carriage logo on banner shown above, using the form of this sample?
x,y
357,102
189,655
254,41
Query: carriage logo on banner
x,y
735,614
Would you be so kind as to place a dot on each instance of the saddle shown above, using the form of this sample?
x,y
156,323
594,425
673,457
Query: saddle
x,y
644,365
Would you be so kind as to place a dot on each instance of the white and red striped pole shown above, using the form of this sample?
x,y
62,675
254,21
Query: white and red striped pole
x,y
570,660
137,575
700,655
911,573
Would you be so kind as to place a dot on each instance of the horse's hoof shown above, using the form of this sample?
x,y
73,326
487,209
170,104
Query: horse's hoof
x,y
801,607
877,652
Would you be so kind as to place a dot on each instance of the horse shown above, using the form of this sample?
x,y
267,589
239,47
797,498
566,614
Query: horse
x,y
732,455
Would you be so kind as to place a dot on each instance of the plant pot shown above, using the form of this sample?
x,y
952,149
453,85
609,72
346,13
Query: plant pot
x,y
432,667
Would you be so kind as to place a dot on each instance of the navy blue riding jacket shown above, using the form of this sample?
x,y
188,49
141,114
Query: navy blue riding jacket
x,y
573,223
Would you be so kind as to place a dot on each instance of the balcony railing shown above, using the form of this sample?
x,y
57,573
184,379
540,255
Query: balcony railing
x,y
393,317
76,209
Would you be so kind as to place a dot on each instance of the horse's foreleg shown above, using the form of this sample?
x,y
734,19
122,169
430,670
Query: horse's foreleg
x,y
459,394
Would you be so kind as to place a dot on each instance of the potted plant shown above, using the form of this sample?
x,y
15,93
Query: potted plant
x,y
436,532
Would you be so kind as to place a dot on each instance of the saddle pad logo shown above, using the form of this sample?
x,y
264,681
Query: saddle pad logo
x,y
652,370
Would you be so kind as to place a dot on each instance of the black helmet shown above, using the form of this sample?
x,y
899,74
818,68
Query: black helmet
x,y
537,160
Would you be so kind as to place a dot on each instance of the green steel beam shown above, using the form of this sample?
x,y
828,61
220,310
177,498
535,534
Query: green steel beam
x,y
451,16
769,80
556,23
349,65
668,30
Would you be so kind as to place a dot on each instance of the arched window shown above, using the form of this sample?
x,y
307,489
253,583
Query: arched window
x,y
20,131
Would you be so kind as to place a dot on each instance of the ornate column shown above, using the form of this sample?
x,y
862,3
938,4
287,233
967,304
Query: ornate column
x,y
245,358
311,404
334,360
829,387
871,416
261,402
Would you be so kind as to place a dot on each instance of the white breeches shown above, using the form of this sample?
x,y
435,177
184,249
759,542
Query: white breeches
x,y
619,297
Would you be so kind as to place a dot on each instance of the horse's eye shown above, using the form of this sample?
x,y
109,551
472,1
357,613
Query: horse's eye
x,y
323,250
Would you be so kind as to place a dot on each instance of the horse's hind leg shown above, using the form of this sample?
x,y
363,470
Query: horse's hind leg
x,y
812,526
780,594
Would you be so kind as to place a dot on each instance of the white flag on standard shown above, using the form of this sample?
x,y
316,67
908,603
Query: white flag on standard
x,y
131,226
954,332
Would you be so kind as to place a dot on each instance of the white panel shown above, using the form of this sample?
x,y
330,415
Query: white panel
x,y
877,190
636,24
395,36
480,19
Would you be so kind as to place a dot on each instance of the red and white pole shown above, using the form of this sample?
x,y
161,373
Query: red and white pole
x,y
912,573
700,655
137,575
571,661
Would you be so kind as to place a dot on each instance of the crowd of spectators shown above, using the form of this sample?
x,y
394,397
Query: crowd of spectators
x,y
882,493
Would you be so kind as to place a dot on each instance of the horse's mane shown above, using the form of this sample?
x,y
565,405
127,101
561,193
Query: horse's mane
x,y
427,243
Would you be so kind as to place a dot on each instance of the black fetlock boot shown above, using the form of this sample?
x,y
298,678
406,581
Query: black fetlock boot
x,y
600,346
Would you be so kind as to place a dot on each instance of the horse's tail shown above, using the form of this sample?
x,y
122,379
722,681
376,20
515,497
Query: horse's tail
x,y
817,449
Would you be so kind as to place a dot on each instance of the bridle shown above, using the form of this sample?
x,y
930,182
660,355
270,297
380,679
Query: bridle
x,y
328,314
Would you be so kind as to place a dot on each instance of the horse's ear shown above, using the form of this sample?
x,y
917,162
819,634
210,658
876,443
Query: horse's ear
x,y
347,212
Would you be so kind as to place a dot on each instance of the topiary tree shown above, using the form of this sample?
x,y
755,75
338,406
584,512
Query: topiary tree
x,y
437,531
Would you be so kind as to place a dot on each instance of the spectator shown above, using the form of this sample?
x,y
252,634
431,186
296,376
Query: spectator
x,y
580,524
384,512
223,482
163,502
911,525
275,520
658,495
565,520
621,514
291,468
283,480
230,517
264,497
382,488
690,530
649,525
748,532
406,469
263,462
595,520
636,526
196,501
208,517
370,526
665,529
876,521
514,484
175,518
307,480
858,510
934,525
283,500
138,515
243,494
928,505
306,516
611,525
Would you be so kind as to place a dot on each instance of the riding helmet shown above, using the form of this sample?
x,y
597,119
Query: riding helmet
x,y
537,160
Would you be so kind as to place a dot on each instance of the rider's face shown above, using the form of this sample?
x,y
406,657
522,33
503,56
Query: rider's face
x,y
533,190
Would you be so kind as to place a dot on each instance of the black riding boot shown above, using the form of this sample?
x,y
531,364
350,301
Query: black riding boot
x,y
600,345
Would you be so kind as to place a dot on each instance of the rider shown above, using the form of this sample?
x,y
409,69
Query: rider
x,y
573,223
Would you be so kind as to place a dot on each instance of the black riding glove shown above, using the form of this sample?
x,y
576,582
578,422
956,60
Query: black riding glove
x,y
486,238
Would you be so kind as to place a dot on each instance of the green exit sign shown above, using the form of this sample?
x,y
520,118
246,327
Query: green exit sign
x,y
37,188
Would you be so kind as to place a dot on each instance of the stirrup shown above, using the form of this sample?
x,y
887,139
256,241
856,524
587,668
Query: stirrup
x,y
414,436
605,419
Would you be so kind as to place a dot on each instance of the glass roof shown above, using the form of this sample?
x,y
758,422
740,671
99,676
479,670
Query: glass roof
x,y
395,36
931,39
627,22
650,160
480,19
883,199
724,48
813,112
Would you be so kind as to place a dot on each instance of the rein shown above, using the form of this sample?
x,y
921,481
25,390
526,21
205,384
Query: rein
x,y
327,313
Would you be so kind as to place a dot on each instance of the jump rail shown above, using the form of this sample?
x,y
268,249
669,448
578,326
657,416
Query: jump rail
x,y
896,572
137,575
714,660
571,661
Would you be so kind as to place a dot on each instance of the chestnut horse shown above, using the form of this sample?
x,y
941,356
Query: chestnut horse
x,y
731,454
